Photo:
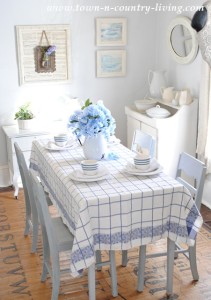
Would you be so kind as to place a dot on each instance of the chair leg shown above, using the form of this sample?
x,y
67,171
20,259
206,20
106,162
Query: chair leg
x,y
46,260
34,237
91,282
170,266
193,265
113,273
55,276
141,267
27,226
124,258
98,259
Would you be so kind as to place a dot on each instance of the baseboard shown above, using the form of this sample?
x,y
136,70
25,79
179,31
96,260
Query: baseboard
x,y
4,176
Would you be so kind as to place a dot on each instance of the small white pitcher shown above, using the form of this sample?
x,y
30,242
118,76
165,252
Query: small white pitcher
x,y
185,97
167,94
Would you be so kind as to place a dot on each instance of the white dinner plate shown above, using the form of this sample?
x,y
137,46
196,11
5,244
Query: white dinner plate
x,y
153,169
78,175
53,147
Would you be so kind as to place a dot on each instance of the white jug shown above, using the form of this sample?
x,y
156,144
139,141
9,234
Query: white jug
x,y
185,97
167,94
156,80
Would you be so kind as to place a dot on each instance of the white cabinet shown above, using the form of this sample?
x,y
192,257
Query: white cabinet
x,y
24,138
173,135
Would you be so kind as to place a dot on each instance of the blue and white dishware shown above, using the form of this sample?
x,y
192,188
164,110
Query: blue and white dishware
x,y
60,140
89,166
142,162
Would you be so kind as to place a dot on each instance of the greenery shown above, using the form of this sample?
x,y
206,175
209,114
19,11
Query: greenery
x,y
24,112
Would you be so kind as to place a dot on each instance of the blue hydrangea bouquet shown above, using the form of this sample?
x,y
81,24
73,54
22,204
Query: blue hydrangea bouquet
x,y
91,120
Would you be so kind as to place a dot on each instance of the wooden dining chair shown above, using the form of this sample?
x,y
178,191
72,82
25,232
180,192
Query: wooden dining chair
x,y
57,238
191,173
31,216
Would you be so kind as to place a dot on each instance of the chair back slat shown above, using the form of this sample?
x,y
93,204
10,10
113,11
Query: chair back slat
x,y
24,177
43,213
191,173
144,140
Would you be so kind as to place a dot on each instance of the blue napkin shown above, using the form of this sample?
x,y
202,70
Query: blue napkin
x,y
111,156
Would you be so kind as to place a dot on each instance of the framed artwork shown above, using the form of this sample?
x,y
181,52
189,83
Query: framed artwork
x,y
44,53
111,63
111,31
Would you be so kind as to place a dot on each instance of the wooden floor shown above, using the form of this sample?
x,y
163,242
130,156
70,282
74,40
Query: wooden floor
x,y
20,270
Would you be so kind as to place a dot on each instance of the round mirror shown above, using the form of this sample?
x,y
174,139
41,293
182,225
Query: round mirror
x,y
181,39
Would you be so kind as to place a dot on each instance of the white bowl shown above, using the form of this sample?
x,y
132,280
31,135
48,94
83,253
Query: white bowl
x,y
60,140
89,166
158,112
145,104
142,162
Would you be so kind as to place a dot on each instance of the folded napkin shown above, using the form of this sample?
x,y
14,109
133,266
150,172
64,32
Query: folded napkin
x,y
111,156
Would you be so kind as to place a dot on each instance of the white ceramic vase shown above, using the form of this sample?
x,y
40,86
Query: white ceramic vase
x,y
95,147
156,81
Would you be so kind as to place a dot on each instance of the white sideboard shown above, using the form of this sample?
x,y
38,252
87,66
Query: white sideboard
x,y
24,138
173,135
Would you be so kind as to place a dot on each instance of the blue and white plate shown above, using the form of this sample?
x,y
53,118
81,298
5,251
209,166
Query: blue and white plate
x,y
78,175
154,168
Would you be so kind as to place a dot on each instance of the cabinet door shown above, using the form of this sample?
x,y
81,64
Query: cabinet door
x,y
132,125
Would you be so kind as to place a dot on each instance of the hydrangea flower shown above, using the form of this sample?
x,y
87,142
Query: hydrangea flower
x,y
92,119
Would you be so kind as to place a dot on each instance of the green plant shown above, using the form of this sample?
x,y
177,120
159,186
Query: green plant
x,y
24,113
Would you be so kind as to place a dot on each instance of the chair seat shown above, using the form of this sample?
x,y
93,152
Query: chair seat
x,y
63,236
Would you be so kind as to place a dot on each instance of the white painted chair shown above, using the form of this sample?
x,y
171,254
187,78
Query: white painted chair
x,y
31,215
143,140
191,173
56,238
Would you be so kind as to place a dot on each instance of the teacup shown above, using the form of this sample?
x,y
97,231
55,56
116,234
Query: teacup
x,y
142,162
89,166
60,140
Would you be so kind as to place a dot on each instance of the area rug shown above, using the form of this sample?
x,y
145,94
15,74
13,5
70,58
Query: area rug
x,y
20,270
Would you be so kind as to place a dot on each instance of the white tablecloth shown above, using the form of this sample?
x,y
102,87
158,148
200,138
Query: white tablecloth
x,y
120,212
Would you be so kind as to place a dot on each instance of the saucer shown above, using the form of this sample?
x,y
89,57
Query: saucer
x,y
79,175
154,168
53,147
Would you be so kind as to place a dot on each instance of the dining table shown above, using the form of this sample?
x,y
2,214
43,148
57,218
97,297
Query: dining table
x,y
118,209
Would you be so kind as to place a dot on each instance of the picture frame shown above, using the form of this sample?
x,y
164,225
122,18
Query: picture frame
x,y
111,63
111,31
29,39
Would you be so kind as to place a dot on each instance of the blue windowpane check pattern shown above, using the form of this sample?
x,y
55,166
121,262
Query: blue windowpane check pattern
x,y
119,212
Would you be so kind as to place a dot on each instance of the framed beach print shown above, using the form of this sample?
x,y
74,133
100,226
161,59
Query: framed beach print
x,y
111,31
111,63
44,54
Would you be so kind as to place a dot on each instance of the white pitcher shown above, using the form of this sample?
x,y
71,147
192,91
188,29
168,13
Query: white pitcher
x,y
167,94
185,97
156,80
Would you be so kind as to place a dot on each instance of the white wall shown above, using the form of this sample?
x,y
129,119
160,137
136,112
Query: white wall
x,y
116,92
179,76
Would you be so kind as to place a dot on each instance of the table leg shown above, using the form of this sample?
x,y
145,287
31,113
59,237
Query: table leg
x,y
15,184
91,282
170,266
